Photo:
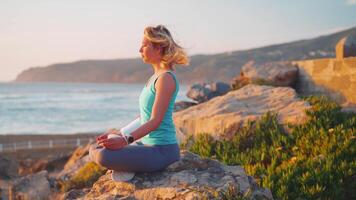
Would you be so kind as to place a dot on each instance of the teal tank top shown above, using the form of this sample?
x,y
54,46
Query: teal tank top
x,y
166,132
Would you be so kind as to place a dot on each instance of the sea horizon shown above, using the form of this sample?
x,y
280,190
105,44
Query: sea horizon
x,y
69,108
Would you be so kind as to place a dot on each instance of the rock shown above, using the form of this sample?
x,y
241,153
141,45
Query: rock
x,y
346,47
190,178
74,194
76,155
67,173
8,167
181,105
262,194
34,186
219,88
202,92
330,77
240,81
31,166
57,163
348,107
78,159
282,73
198,92
224,115
183,177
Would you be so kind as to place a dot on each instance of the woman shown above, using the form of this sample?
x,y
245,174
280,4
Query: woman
x,y
155,127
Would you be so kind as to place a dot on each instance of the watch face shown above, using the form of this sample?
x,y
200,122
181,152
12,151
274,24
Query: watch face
x,y
130,139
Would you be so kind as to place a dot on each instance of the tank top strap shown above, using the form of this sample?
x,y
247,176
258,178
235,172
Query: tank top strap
x,y
174,76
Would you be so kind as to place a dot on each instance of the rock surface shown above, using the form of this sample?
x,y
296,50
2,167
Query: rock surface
x,y
190,178
73,194
8,167
202,92
224,115
240,81
31,166
78,159
346,47
34,186
331,77
271,73
181,105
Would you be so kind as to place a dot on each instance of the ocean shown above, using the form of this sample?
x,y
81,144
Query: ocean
x,y
67,108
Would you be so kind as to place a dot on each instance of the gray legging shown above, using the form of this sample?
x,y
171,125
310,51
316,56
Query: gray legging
x,y
136,158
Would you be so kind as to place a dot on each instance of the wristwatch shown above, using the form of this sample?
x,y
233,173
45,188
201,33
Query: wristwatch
x,y
130,139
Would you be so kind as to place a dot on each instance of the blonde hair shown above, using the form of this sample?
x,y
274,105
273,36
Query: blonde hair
x,y
172,53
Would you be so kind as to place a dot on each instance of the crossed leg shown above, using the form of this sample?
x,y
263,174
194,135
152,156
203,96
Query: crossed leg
x,y
135,158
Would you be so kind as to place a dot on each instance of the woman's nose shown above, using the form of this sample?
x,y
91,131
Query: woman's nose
x,y
140,50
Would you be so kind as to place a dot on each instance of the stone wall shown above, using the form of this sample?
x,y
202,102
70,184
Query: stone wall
x,y
335,78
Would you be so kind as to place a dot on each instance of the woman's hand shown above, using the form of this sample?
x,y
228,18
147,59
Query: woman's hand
x,y
113,143
104,136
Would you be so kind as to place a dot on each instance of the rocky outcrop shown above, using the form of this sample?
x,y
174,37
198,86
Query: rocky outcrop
x,y
335,78
76,155
181,105
73,194
346,47
78,159
8,167
31,166
331,77
271,73
190,178
34,186
240,81
202,92
224,115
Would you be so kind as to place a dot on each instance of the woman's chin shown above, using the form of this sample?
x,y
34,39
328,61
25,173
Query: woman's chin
x,y
145,61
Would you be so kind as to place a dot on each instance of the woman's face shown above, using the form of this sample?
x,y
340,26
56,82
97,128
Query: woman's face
x,y
149,53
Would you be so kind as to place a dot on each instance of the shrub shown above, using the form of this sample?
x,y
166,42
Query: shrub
x,y
85,177
315,161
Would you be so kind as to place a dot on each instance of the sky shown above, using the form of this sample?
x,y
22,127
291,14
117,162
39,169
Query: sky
x,y
38,33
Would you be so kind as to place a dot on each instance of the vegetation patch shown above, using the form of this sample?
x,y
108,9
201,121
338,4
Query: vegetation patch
x,y
315,161
85,177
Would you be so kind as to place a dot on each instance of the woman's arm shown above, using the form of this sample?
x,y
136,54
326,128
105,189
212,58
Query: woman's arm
x,y
132,126
165,87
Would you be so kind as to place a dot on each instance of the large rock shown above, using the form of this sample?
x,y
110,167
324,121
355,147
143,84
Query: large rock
x,y
73,194
76,155
78,159
224,115
31,166
282,73
34,186
202,92
190,178
240,81
330,77
346,47
181,105
8,167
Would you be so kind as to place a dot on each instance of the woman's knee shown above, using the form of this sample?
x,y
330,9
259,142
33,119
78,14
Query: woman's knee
x,y
101,158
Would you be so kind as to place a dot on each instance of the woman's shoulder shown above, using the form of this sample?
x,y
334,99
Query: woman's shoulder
x,y
166,79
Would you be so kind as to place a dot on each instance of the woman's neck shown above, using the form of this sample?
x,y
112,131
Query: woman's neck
x,y
160,68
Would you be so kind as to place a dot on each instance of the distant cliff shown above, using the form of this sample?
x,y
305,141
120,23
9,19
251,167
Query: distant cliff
x,y
207,68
